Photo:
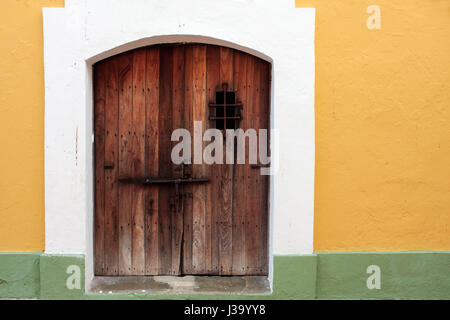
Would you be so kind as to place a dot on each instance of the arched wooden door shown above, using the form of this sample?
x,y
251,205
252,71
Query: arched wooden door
x,y
153,217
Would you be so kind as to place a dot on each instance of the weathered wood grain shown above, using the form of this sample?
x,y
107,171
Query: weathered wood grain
x,y
187,267
240,173
151,161
226,180
166,192
126,191
264,179
112,159
199,170
252,199
137,148
177,122
219,227
99,147
213,193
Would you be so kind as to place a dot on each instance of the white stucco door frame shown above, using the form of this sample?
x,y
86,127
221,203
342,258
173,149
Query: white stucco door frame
x,y
87,31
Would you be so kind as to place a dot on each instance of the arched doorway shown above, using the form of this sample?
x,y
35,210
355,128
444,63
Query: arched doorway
x,y
155,217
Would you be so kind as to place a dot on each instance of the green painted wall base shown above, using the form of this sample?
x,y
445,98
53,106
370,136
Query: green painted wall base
x,y
294,277
56,272
402,275
408,275
19,275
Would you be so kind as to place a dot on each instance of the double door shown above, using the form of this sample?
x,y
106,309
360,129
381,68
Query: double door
x,y
156,217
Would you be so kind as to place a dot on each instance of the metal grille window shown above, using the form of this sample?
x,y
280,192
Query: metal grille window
x,y
227,114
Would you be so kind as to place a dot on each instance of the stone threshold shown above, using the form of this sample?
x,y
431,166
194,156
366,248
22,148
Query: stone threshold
x,y
181,285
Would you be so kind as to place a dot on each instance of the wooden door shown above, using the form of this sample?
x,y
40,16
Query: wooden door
x,y
146,223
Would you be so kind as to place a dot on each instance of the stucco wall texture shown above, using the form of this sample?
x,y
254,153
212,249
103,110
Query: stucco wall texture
x,y
22,124
382,125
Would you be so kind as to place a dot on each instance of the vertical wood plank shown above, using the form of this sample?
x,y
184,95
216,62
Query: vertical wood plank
x,y
151,161
111,175
99,145
213,193
126,191
226,203
177,122
187,267
240,173
199,170
137,148
166,192
255,174
265,124
252,196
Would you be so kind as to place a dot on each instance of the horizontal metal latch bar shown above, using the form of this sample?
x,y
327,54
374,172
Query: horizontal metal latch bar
x,y
217,105
224,118
154,180
257,166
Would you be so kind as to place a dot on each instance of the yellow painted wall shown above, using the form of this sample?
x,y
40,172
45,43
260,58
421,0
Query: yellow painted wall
x,y
22,124
382,126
